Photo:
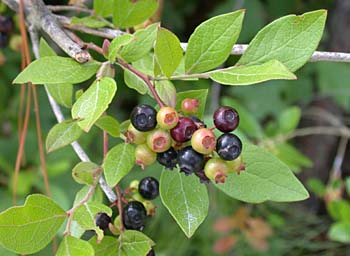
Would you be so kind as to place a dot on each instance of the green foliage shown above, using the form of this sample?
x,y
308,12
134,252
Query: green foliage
x,y
109,125
212,41
103,8
185,198
116,46
289,119
90,21
167,92
263,170
86,173
29,228
71,246
95,100
62,134
340,232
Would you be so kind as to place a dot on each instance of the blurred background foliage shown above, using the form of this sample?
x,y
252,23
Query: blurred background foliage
x,y
269,110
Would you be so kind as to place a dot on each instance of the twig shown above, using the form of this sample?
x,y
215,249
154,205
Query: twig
x,y
120,208
339,158
59,8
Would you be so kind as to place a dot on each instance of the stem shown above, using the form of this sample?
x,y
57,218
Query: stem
x,y
145,78
59,8
120,208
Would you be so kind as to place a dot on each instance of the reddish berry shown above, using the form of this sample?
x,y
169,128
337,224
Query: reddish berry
x,y
184,129
199,123
203,141
159,140
226,119
143,118
228,146
190,160
135,136
189,106
144,156
216,169
167,118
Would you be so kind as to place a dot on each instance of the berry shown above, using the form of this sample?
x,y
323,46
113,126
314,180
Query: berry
x,y
190,160
135,136
228,146
199,123
4,39
149,188
202,177
184,129
151,253
226,119
216,169
102,221
144,156
134,215
168,158
143,118
189,106
167,118
236,166
203,141
159,140
6,24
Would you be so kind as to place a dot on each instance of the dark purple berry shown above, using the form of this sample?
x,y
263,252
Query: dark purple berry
x,y
199,123
228,146
143,118
134,215
184,129
102,221
202,177
168,158
6,24
4,39
151,253
226,119
149,188
190,160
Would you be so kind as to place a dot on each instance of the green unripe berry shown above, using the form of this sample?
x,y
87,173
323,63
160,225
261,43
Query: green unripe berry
x,y
144,156
167,118
159,140
203,141
236,166
135,136
216,170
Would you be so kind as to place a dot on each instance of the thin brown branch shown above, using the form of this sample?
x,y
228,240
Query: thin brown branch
x,y
120,208
74,8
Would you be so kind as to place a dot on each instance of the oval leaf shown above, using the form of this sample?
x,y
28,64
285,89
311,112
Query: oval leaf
x,y
116,45
118,163
29,228
247,75
109,125
71,246
167,92
212,41
265,178
340,232
185,198
130,13
291,40
168,51
55,70
62,134
86,173
95,100
103,8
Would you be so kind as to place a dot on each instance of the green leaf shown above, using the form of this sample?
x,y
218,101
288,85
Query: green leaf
x,y
339,210
130,13
95,100
85,215
55,70
291,40
89,21
132,243
316,186
141,45
185,198
212,41
289,119
71,246
86,173
118,163
29,228
103,8
109,125
62,134
62,93
340,232
201,95
117,44
168,51
167,92
246,75
134,82
265,178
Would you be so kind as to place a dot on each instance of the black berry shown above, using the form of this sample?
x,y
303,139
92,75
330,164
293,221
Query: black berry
x,y
6,24
199,123
190,160
168,158
151,253
226,119
143,118
134,215
149,188
184,129
102,220
228,146
4,39
202,177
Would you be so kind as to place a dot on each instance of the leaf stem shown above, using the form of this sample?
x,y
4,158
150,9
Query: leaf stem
x,y
183,77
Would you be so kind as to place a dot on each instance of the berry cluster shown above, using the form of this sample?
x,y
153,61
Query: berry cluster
x,y
6,27
174,139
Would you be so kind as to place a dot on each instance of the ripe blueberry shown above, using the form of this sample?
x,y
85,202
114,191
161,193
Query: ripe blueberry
x,y
6,24
144,156
184,129
226,119
202,177
149,188
102,221
134,215
216,169
190,160
159,140
151,253
168,158
4,39
143,118
203,141
167,118
189,106
228,146
199,123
